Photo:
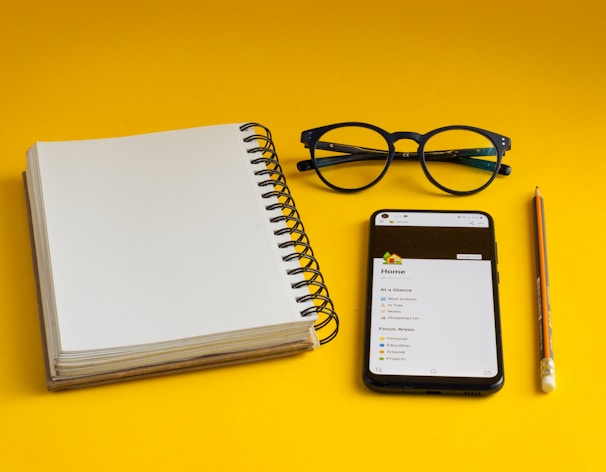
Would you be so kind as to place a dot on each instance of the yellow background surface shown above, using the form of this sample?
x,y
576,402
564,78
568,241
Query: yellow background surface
x,y
533,71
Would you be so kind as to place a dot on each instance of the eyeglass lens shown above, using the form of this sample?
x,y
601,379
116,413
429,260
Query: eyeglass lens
x,y
360,154
359,157
450,157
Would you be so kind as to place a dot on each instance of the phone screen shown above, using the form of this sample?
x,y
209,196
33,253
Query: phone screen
x,y
433,312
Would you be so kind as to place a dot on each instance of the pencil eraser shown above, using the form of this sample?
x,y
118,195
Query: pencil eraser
x,y
548,383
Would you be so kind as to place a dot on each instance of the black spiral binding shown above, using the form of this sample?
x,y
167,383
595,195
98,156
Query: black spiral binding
x,y
328,321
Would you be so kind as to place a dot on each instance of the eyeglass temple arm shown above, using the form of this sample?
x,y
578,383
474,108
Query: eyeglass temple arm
x,y
357,154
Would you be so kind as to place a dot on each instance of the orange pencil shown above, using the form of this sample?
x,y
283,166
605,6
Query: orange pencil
x,y
547,366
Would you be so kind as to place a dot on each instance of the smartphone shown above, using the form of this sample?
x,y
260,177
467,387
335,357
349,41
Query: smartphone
x,y
432,314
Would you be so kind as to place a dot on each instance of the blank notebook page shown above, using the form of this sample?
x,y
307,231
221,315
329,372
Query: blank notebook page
x,y
160,237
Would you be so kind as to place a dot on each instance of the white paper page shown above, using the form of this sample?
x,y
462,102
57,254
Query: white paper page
x,y
159,237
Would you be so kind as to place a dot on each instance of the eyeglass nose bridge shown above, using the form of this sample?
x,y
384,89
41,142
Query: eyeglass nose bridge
x,y
400,135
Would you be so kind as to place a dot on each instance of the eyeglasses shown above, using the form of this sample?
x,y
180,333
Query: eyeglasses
x,y
460,160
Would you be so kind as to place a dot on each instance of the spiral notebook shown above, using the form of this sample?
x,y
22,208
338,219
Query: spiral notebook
x,y
169,252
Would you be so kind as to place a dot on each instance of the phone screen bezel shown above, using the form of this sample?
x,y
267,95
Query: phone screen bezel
x,y
471,386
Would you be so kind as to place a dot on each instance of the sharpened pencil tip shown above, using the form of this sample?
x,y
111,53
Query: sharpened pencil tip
x,y
537,192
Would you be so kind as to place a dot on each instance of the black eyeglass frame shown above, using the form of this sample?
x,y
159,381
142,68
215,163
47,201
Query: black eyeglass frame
x,y
311,140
